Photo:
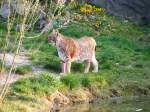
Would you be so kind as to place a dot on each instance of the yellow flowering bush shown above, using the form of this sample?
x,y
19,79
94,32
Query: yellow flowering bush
x,y
98,10
97,24
77,17
93,15
87,9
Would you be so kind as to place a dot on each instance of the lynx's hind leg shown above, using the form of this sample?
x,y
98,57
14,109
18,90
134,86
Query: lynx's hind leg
x,y
95,63
87,66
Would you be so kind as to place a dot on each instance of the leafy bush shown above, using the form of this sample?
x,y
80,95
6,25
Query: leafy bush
x,y
71,81
85,81
24,69
88,9
75,81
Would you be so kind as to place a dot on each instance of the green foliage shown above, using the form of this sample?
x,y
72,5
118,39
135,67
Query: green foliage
x,y
88,9
43,84
85,81
48,60
76,81
24,69
78,30
71,81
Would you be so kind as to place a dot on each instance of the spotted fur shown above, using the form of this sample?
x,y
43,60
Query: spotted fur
x,y
70,50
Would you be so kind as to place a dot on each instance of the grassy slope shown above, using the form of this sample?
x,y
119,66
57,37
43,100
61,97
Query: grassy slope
x,y
124,65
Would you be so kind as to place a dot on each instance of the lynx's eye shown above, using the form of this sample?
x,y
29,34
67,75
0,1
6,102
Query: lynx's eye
x,y
51,41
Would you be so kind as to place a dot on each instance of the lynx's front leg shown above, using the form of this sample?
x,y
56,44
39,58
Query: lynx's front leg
x,y
63,67
68,66
62,55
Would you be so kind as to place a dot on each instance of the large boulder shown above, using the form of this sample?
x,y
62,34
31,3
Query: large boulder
x,y
19,6
135,10
4,9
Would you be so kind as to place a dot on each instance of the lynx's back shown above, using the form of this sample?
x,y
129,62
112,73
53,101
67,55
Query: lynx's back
x,y
86,47
77,49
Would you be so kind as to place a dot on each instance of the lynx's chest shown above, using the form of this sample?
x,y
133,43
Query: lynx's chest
x,y
61,53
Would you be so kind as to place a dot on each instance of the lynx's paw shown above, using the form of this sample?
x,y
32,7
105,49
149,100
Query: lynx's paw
x,y
95,71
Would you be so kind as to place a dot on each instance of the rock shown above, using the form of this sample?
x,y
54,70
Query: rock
x,y
4,9
61,2
48,26
42,21
70,1
19,6
58,100
19,60
41,24
137,11
114,93
81,96
27,27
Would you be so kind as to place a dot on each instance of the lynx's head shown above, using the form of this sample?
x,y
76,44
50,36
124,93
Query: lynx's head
x,y
54,38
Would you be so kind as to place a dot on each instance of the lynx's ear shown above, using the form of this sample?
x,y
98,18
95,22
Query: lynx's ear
x,y
55,30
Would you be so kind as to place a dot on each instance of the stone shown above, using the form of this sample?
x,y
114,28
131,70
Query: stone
x,y
5,10
137,11
58,100
19,6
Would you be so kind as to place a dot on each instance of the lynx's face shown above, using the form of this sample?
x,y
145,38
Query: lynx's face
x,y
53,38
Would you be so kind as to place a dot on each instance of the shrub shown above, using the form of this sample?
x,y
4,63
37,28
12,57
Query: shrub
x,y
75,81
24,69
88,9
41,85
71,81
85,81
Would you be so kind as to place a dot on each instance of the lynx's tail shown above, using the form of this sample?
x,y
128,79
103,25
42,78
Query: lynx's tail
x,y
95,48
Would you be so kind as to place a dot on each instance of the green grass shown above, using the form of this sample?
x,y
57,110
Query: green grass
x,y
44,84
123,53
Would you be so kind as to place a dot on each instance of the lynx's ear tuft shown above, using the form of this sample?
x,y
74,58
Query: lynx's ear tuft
x,y
56,31
53,30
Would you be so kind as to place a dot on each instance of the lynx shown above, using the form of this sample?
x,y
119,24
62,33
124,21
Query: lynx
x,y
78,50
